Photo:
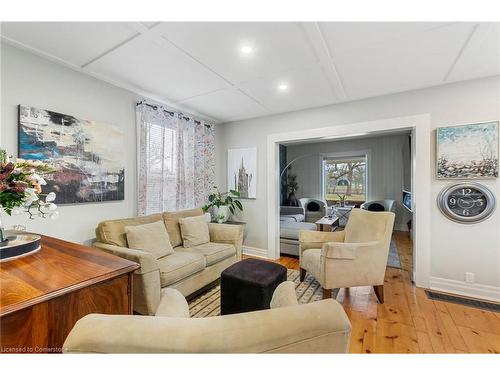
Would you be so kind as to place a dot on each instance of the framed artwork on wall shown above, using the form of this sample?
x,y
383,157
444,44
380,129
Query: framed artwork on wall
x,y
467,151
242,171
87,155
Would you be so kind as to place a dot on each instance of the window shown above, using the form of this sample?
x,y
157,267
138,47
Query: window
x,y
345,178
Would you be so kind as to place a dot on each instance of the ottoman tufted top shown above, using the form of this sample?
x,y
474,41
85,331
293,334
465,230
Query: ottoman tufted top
x,y
255,271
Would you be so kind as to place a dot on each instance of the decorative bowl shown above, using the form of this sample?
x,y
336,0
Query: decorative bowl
x,y
18,244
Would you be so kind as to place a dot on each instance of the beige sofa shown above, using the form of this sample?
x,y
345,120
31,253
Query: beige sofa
x,y
187,269
318,327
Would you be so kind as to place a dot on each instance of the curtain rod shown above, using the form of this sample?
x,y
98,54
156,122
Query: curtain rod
x,y
155,107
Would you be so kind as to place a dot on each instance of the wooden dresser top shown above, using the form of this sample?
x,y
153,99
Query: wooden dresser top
x,y
58,268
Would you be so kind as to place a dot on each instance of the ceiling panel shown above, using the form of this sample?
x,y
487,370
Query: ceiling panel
x,y
159,68
226,105
276,46
401,64
307,87
342,36
74,42
481,56
200,65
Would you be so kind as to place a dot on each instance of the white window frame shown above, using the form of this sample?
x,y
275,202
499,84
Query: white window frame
x,y
347,154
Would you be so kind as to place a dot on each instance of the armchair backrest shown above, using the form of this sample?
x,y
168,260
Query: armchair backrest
x,y
366,226
304,202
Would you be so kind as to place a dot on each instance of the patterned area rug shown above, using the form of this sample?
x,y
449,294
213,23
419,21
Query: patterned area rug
x,y
208,303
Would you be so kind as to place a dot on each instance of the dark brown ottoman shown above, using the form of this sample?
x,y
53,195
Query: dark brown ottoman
x,y
249,285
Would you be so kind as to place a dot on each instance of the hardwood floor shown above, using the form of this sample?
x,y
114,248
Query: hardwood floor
x,y
409,322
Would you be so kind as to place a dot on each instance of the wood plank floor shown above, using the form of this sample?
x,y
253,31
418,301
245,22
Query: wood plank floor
x,y
409,322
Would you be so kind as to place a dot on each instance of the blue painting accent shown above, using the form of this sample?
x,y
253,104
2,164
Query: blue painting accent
x,y
32,149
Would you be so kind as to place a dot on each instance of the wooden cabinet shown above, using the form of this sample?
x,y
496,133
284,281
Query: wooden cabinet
x,y
43,295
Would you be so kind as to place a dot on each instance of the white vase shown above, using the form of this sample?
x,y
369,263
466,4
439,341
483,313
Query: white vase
x,y
222,213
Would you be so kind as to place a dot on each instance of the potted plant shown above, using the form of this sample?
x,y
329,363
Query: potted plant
x,y
21,184
222,204
293,186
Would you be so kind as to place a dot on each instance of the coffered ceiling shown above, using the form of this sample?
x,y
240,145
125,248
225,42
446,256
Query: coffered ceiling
x,y
233,71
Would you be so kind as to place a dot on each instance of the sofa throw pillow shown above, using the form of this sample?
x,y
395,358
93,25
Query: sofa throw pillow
x,y
194,230
152,238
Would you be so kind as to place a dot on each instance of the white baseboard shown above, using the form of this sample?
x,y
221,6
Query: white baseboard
x,y
254,251
480,291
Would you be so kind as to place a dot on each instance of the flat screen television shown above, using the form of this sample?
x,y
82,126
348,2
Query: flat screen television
x,y
407,200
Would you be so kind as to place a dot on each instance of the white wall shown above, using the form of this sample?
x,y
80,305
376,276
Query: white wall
x,y
385,168
455,248
29,79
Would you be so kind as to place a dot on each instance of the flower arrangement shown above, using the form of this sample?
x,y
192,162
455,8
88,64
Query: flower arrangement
x,y
21,184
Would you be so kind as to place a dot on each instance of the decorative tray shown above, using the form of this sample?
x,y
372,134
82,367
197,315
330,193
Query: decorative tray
x,y
18,244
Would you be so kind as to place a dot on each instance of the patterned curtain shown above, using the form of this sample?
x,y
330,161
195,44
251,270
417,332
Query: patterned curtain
x,y
176,160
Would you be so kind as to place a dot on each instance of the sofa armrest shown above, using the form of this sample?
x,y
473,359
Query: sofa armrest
x,y
310,239
343,250
227,233
172,304
318,327
284,295
147,261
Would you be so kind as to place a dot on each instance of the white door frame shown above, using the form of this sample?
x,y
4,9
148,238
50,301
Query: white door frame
x,y
421,171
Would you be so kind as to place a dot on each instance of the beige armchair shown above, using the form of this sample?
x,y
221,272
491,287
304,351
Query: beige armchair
x,y
356,256
318,327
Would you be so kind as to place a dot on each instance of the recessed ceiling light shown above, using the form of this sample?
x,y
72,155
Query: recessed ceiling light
x,y
282,87
246,50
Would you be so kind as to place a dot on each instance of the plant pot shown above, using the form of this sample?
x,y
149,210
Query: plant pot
x,y
221,214
292,200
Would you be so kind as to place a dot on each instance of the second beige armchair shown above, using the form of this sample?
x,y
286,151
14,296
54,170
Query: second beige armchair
x,y
356,256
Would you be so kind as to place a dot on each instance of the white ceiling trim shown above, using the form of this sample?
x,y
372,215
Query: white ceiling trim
x,y
316,39
460,53
131,88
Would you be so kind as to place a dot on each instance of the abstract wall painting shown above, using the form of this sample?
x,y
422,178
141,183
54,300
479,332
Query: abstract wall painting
x,y
88,155
468,151
242,171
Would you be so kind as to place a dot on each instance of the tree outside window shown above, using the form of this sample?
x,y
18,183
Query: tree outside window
x,y
345,178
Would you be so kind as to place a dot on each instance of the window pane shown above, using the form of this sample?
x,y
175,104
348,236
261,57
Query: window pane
x,y
345,178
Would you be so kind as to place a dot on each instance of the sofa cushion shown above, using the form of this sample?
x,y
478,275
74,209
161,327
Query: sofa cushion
x,y
112,232
212,251
152,237
172,223
194,230
179,265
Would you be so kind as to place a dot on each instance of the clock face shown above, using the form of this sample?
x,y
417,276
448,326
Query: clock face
x,y
466,202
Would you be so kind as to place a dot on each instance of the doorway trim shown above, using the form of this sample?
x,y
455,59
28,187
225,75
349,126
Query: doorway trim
x,y
420,127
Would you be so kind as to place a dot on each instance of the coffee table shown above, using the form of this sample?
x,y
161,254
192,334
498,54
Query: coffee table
x,y
327,224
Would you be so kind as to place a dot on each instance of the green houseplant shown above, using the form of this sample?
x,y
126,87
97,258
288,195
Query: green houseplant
x,y
221,204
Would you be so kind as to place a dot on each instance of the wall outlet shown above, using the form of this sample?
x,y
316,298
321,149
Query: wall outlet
x,y
469,277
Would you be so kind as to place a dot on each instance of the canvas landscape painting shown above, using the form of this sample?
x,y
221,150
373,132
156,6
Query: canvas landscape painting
x,y
88,155
241,171
468,151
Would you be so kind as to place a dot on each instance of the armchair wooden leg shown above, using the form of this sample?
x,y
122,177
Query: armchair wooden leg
x,y
302,274
327,293
379,292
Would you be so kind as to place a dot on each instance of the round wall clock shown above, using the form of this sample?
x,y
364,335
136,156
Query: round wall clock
x,y
467,202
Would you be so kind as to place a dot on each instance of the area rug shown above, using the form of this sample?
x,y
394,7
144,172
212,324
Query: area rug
x,y
393,259
208,303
